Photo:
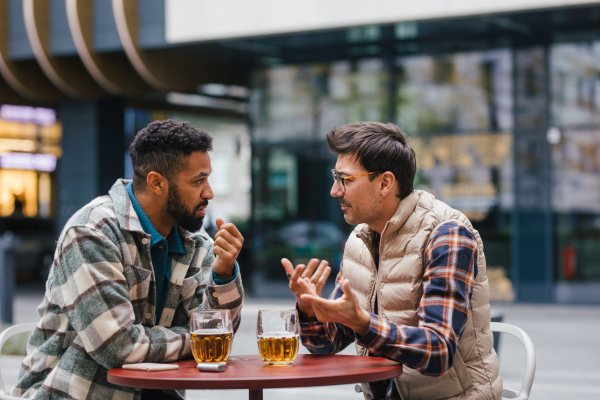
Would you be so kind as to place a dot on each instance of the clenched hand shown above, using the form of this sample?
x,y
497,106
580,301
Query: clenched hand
x,y
228,243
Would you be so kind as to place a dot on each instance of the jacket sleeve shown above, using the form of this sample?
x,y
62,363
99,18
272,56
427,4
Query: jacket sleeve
x,y
210,295
94,295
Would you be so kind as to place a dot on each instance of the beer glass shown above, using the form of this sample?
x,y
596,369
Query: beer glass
x,y
277,334
212,335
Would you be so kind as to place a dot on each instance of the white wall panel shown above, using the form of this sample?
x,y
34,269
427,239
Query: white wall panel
x,y
203,20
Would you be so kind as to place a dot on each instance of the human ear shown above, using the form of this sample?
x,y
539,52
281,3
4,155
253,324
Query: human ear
x,y
157,183
387,183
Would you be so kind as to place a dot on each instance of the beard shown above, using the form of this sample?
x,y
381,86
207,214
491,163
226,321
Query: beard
x,y
348,214
184,217
365,213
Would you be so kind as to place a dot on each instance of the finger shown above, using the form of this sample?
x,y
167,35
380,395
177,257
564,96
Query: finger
x,y
220,254
310,268
305,285
323,279
219,222
317,275
226,246
314,301
232,229
347,290
225,234
288,266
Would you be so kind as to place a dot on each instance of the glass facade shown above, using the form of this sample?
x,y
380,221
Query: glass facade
x,y
510,136
575,112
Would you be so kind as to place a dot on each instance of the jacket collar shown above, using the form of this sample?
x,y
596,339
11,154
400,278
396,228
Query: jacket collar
x,y
128,218
126,215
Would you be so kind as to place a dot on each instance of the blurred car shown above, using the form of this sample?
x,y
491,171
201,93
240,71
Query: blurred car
x,y
299,242
35,246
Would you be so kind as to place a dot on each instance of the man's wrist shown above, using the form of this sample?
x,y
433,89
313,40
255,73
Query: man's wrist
x,y
363,322
220,281
227,273
306,316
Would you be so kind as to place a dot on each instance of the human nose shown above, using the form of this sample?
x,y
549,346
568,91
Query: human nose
x,y
336,190
207,193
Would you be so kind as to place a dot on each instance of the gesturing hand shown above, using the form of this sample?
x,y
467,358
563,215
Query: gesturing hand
x,y
344,310
228,243
315,278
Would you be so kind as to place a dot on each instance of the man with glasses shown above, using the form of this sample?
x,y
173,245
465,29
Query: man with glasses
x,y
412,286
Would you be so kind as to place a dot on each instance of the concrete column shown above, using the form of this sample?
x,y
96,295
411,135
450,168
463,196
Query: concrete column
x,y
93,152
532,252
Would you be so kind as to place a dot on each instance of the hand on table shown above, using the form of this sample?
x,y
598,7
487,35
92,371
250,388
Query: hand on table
x,y
344,310
228,243
316,280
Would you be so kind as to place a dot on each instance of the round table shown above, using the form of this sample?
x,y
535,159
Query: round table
x,y
249,372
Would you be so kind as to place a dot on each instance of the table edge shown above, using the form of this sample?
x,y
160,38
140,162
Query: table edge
x,y
251,384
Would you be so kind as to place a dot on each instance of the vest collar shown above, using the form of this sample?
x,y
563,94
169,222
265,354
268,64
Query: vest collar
x,y
404,210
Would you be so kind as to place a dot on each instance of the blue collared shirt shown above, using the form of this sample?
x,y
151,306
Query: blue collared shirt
x,y
161,250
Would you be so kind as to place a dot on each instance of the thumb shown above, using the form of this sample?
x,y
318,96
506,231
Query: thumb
x,y
219,222
347,290
289,267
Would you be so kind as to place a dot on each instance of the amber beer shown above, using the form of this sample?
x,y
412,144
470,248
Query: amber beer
x,y
211,346
278,349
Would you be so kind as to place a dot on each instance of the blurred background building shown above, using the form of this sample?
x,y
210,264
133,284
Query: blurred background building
x,y
501,100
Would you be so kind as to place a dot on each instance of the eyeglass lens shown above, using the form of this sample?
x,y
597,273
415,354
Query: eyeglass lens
x,y
338,179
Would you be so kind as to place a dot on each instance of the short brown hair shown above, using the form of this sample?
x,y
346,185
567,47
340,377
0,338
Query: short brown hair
x,y
378,147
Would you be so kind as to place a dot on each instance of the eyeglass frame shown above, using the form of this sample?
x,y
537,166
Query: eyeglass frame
x,y
337,178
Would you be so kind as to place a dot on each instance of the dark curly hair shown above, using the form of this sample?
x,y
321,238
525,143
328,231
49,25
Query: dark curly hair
x,y
164,147
379,148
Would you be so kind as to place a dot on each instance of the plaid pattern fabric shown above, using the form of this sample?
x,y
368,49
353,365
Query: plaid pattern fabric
x,y
99,307
451,268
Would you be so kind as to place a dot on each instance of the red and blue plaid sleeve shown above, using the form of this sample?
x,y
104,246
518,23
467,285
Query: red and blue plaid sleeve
x,y
451,268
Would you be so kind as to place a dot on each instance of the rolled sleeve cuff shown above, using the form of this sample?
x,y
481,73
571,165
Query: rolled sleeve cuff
x,y
314,328
226,295
219,281
376,336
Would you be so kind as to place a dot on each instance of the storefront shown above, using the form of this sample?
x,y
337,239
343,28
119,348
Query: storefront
x,y
506,130
30,145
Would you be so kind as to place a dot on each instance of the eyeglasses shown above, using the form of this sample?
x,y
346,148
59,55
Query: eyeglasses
x,y
340,179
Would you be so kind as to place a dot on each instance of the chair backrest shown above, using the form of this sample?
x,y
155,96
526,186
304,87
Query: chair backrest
x,y
4,336
523,394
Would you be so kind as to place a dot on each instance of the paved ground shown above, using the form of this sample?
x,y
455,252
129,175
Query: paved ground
x,y
566,340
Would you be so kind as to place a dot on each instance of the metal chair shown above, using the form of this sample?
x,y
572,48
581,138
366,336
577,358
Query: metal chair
x,y
4,336
523,394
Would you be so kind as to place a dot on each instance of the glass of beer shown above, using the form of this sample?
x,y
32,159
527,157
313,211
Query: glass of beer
x,y
277,333
212,335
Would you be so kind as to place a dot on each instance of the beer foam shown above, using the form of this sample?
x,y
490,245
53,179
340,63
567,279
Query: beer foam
x,y
210,332
278,335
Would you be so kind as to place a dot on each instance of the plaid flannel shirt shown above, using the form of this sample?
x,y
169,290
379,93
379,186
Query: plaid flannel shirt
x,y
451,268
98,311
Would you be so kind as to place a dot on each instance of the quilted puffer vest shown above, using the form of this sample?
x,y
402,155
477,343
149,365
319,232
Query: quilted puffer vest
x,y
398,287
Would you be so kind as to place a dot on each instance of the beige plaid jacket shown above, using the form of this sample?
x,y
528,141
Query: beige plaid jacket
x,y
99,306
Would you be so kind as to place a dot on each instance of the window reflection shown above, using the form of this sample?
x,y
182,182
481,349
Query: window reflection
x,y
458,110
575,112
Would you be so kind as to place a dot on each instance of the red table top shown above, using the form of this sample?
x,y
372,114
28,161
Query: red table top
x,y
249,372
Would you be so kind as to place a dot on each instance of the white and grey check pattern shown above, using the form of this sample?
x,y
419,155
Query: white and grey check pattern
x,y
99,306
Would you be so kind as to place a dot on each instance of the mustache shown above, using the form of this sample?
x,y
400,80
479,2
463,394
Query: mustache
x,y
344,203
204,203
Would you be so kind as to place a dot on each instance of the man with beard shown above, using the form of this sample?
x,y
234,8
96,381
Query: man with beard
x,y
128,270
412,286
